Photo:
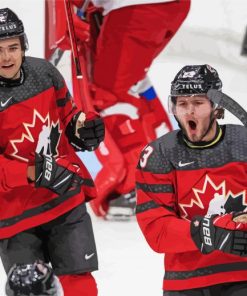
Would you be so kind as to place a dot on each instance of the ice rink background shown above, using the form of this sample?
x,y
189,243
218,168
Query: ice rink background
x,y
212,33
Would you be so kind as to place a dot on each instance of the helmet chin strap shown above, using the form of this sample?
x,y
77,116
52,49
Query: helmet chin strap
x,y
212,120
16,75
19,71
11,82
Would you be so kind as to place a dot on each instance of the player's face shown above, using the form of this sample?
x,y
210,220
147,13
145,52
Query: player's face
x,y
194,114
10,58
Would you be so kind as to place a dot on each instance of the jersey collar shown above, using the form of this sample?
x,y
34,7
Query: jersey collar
x,y
205,144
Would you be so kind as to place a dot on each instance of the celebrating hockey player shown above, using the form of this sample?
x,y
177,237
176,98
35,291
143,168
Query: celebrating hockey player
x,y
44,185
132,34
33,279
191,190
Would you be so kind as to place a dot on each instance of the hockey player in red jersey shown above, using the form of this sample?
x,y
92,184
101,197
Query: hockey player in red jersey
x,y
132,34
44,185
191,185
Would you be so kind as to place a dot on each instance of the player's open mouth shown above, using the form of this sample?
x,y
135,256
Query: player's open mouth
x,y
8,66
192,124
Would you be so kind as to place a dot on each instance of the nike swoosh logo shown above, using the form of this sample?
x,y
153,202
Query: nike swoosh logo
x,y
3,104
87,257
180,164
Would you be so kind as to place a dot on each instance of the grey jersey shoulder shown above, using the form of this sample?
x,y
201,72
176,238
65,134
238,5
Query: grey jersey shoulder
x,y
48,73
157,156
167,142
236,142
39,75
236,129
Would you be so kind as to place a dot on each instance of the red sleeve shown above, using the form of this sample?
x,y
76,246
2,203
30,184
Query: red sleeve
x,y
13,173
156,209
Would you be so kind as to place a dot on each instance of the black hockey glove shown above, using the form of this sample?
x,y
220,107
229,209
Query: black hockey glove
x,y
58,175
219,232
87,137
32,279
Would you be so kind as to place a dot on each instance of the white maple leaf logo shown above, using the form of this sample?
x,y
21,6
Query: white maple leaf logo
x,y
44,125
211,199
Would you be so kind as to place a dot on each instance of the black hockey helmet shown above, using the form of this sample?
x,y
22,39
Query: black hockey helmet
x,y
195,79
12,26
32,279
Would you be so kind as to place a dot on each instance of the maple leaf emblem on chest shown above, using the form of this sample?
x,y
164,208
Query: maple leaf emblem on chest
x,y
212,198
41,135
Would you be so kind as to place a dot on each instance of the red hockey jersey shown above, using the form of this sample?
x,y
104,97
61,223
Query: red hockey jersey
x,y
175,183
33,118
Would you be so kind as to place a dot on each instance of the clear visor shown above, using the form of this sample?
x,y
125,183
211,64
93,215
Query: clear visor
x,y
22,35
197,104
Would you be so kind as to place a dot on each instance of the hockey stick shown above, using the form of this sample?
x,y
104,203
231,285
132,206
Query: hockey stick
x,y
244,45
81,72
229,104
72,37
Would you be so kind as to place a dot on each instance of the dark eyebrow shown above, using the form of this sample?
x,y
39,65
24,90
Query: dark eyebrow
x,y
12,45
200,99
